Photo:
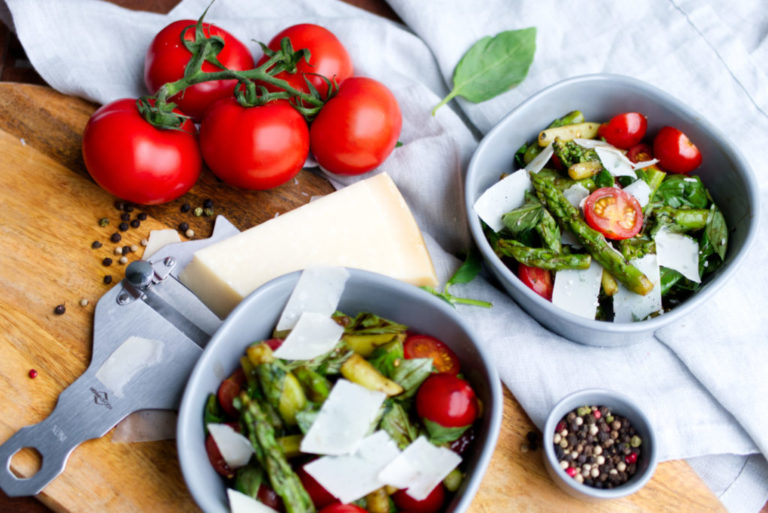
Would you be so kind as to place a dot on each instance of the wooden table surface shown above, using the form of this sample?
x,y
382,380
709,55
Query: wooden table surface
x,y
515,479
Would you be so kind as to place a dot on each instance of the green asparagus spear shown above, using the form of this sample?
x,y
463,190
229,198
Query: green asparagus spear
x,y
315,385
568,215
541,257
571,153
283,479
682,219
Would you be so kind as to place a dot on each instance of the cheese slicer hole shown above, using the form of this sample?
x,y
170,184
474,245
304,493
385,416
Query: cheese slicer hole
x,y
26,462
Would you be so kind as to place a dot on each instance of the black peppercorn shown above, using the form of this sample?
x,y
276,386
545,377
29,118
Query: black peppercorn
x,y
183,227
126,250
115,237
128,207
125,216
123,227
60,309
107,261
208,203
186,207
119,205
96,244
107,279
142,216
135,223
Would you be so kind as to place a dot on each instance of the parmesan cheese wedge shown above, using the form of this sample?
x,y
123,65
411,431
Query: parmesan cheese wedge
x,y
242,503
366,225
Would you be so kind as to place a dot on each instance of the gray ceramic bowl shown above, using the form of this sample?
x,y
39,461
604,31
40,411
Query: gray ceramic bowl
x,y
619,405
724,171
255,318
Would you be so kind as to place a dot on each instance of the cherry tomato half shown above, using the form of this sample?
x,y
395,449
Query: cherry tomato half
x,y
431,504
254,147
640,153
624,130
229,389
167,57
424,346
342,508
216,459
537,279
357,129
614,213
270,498
319,495
446,400
328,57
676,153
136,161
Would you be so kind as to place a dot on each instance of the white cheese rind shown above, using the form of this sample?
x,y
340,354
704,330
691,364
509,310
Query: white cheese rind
x,y
366,225
679,252
314,334
503,196
352,476
615,162
640,190
234,447
631,307
420,467
576,290
344,419
317,290
242,503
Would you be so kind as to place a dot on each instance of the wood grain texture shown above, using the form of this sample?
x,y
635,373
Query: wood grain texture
x,y
49,214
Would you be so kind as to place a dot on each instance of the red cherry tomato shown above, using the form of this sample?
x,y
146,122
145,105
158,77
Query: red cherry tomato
x,y
424,346
640,153
357,129
624,130
676,153
167,57
537,279
274,343
270,498
136,161
328,57
614,213
216,459
431,504
342,508
462,443
229,389
254,147
446,400
319,495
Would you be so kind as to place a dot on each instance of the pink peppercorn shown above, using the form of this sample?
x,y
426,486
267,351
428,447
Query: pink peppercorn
x,y
32,373
560,426
631,458
571,471
597,414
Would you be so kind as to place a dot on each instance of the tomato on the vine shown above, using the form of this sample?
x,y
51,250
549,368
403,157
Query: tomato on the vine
x,y
328,58
675,151
135,161
537,279
424,346
446,400
254,147
613,212
431,504
357,129
167,57
624,130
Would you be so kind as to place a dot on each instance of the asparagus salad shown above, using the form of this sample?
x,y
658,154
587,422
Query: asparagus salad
x,y
603,224
340,414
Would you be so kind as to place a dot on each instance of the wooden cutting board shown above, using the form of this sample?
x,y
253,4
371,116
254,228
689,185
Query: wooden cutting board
x,y
49,213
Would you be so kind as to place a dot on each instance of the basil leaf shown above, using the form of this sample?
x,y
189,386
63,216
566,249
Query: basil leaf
x,y
683,191
387,357
524,218
468,270
603,179
398,426
213,413
410,374
248,480
493,65
439,435
717,231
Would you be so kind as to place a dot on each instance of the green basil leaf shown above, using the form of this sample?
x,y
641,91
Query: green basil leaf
x,y
679,191
248,480
439,435
213,413
493,65
468,270
387,357
717,231
603,179
306,417
398,425
524,218
410,374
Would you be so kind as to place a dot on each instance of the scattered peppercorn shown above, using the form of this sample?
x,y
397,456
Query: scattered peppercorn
x,y
118,250
186,207
83,302
183,227
135,223
128,207
60,309
144,242
107,279
32,373
115,237
134,248
119,205
125,216
208,212
141,216
207,203
198,212
533,440
106,262
123,260
96,244
190,233
125,250
103,221
123,227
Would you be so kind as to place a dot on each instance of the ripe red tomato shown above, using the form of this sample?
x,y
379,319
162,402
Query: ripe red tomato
x,y
431,504
342,508
274,343
614,213
424,346
537,279
229,389
357,129
640,153
328,57
167,57
270,498
446,400
254,147
216,459
624,130
676,153
319,495
136,161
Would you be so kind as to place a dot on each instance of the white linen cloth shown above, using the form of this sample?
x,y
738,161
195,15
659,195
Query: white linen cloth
x,y
702,381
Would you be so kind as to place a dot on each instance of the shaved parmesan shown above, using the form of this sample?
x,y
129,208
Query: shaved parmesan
x,y
615,162
640,190
159,239
313,335
575,194
352,476
318,290
592,143
505,195
130,358
645,163
630,307
242,503
540,160
234,447
679,252
419,468
576,290
343,420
